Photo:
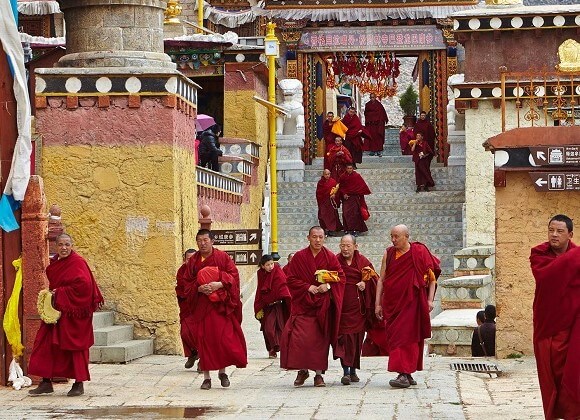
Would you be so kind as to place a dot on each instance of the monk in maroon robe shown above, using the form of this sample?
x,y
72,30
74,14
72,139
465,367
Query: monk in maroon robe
x,y
272,303
215,323
357,308
405,136
424,126
288,259
62,349
354,135
375,121
556,269
405,295
316,308
327,211
338,157
422,155
186,332
328,136
351,193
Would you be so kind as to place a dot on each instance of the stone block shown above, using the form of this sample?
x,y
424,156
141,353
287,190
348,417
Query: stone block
x,y
113,334
121,352
103,319
170,101
123,17
104,101
40,102
137,39
72,102
134,101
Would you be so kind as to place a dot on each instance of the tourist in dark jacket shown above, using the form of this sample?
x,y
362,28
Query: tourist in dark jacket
x,y
209,147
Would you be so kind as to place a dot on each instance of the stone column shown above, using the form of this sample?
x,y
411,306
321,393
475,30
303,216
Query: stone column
x,y
114,33
118,123
34,260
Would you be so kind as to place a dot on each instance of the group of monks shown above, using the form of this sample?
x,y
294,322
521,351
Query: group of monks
x,y
348,191
317,301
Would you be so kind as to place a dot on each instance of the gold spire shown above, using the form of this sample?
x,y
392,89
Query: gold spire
x,y
173,10
569,54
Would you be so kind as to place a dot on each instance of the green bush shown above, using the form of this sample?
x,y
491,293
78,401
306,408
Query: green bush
x,y
408,101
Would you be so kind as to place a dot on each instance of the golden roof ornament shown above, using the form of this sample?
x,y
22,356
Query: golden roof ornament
x,y
569,54
173,10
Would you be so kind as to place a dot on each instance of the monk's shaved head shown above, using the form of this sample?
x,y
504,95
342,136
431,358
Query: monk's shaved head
x,y
402,229
400,237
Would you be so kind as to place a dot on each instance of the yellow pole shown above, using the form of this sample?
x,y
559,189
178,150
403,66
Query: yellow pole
x,y
271,40
200,15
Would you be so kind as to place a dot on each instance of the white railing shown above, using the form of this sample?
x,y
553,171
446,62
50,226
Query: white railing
x,y
206,178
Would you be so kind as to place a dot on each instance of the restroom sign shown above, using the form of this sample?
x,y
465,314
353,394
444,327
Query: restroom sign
x,y
557,181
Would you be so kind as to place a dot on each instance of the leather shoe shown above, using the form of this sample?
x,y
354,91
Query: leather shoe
x,y
319,381
354,378
191,361
45,387
206,384
301,377
224,380
76,390
272,354
411,380
400,382
345,380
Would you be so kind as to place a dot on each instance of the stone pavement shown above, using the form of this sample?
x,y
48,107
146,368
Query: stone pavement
x,y
158,387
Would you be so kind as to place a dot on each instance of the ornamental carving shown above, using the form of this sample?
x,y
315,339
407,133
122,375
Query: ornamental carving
x,y
569,55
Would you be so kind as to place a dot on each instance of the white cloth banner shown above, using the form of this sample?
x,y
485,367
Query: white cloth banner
x,y
20,169
42,7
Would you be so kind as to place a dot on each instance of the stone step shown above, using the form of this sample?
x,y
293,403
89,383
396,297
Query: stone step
x,y
121,352
452,330
107,336
395,211
103,319
377,196
381,202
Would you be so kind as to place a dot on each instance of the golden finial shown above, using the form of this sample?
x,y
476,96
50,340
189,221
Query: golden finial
x,y
569,54
173,10
503,2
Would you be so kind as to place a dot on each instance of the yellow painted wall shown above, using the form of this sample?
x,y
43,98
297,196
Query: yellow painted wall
x,y
123,207
522,216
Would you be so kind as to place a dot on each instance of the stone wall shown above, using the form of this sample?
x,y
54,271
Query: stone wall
x,y
521,223
124,178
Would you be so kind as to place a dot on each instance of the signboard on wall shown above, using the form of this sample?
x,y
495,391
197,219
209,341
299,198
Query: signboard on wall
x,y
556,181
372,38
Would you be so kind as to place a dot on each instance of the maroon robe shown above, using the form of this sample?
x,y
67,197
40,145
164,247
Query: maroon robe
x,y
329,137
423,175
557,329
405,307
272,297
314,319
404,138
354,136
338,157
357,309
62,349
355,205
186,332
327,214
426,128
216,326
375,120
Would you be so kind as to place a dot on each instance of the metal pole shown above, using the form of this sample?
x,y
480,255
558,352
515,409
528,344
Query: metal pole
x,y
270,39
200,15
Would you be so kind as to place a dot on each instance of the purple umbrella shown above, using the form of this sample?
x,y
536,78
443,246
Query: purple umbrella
x,y
203,122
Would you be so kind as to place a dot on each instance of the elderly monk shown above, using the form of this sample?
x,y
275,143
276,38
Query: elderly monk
x,y
328,135
357,309
316,307
62,349
375,120
424,126
556,269
354,136
327,213
405,295
216,310
422,155
185,313
351,193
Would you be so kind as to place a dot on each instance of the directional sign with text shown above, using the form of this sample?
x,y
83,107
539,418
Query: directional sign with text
x,y
556,155
246,257
237,237
557,181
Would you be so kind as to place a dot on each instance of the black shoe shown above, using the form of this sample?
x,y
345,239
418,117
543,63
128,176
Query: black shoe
x,y
45,387
426,189
379,154
400,382
191,361
411,380
371,153
76,390
224,380
345,380
206,384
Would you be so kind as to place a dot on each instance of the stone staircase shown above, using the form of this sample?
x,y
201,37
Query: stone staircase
x,y
434,218
115,343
